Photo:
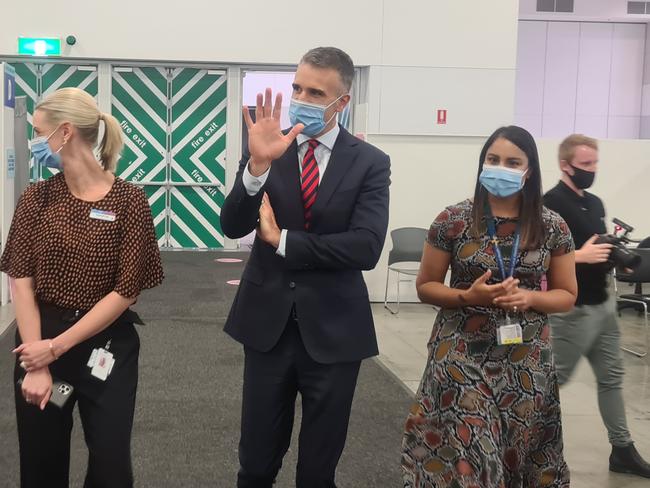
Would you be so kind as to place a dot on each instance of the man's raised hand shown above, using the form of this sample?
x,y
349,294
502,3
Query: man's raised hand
x,y
266,142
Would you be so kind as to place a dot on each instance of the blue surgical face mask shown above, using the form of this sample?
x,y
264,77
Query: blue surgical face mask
x,y
43,153
311,115
500,181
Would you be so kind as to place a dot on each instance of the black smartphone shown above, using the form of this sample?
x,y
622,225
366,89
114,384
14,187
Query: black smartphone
x,y
61,392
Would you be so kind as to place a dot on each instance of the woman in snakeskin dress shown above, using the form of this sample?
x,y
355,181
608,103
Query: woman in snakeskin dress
x,y
487,411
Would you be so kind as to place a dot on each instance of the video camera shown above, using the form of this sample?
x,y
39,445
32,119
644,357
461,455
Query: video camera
x,y
621,256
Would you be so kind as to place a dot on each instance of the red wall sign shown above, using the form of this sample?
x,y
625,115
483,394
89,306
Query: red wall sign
x,y
442,116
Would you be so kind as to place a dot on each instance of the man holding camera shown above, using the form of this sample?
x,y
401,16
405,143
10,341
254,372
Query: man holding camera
x,y
591,328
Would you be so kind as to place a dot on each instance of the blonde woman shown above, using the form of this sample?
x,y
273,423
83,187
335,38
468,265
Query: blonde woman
x,y
80,250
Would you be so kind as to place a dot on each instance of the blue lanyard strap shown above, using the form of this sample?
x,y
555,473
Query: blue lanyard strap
x,y
491,225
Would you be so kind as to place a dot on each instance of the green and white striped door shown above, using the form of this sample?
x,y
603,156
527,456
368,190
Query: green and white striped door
x,y
36,81
198,150
174,122
139,102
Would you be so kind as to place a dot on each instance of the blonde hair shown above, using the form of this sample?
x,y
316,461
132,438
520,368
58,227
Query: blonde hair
x,y
77,107
568,146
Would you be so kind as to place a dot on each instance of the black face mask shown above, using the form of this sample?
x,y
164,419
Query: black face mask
x,y
582,179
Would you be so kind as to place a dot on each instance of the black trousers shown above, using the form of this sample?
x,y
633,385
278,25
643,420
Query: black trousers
x,y
106,409
271,383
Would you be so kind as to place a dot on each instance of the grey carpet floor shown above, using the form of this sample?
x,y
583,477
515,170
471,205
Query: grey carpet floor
x,y
189,398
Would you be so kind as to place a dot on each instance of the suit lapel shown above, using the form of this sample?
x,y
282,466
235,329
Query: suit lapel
x,y
343,155
287,168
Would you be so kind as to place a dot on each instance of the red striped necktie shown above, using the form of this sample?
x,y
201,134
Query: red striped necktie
x,y
310,180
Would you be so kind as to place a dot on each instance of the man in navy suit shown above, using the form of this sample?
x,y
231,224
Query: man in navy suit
x,y
318,198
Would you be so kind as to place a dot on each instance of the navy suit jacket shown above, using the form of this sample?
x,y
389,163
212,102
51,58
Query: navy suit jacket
x,y
321,273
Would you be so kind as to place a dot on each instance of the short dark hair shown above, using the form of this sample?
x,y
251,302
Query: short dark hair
x,y
332,58
530,215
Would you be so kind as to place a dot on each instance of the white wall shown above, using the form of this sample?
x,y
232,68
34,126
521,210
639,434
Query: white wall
x,y
449,33
393,32
428,55
411,97
251,31
429,173
584,77
444,55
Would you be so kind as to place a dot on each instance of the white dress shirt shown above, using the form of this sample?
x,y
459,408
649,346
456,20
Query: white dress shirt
x,y
322,154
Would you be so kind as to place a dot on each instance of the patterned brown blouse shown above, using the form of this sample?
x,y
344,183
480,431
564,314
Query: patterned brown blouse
x,y
76,258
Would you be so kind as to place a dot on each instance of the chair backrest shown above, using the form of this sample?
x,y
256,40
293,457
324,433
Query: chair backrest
x,y
644,244
407,244
642,273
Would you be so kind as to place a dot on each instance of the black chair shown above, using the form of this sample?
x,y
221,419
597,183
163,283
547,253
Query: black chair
x,y
405,257
638,277
645,243
638,287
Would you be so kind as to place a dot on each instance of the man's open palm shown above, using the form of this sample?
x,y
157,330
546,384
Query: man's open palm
x,y
266,141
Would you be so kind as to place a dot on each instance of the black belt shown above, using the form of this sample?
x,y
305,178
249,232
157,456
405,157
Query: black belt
x,y
72,315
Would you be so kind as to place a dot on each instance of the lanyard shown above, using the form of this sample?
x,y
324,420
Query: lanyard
x,y
491,225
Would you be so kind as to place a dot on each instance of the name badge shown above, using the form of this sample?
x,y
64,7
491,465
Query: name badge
x,y
509,334
101,363
106,215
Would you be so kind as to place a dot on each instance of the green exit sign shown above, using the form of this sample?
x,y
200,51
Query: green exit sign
x,y
39,46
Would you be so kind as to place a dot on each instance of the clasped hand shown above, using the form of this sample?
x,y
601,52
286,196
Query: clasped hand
x,y
506,295
268,229
34,355
37,387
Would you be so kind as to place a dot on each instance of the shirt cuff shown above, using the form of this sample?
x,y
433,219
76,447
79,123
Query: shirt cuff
x,y
280,251
253,183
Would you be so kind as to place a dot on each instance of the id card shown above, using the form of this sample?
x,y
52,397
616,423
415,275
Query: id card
x,y
509,334
106,215
101,363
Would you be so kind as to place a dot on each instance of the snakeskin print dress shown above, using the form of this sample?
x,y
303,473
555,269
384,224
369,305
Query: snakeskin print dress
x,y
485,415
